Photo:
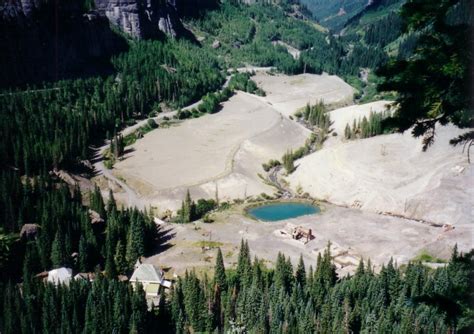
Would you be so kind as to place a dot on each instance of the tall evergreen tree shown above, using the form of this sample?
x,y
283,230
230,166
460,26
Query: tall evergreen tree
x,y
301,272
220,278
59,256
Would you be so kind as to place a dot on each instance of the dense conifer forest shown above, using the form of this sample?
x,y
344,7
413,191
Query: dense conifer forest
x,y
252,298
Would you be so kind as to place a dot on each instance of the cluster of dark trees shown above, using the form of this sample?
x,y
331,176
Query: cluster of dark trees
x,y
242,41
316,116
251,42
211,102
53,126
338,56
288,161
191,211
104,305
442,57
366,128
384,31
175,71
314,142
67,233
253,298
299,299
242,81
272,163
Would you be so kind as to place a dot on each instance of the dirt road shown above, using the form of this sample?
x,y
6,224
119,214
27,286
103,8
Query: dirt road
x,y
132,197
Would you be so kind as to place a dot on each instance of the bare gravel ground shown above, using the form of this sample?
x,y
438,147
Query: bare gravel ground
x,y
223,151
289,93
391,173
354,234
366,177
226,150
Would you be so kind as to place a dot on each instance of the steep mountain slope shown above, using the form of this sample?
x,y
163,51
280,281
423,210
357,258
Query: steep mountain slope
x,y
44,40
142,19
389,174
334,14
378,12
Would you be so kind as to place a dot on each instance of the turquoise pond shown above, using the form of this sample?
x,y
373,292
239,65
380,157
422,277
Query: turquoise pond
x,y
280,211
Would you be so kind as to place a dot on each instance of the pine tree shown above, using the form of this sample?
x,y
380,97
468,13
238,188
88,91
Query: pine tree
x,y
58,252
347,132
244,264
219,274
354,128
111,204
139,311
136,240
83,257
288,162
110,267
188,210
120,258
97,202
301,273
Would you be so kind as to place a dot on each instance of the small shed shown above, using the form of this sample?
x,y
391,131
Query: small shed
x,y
151,277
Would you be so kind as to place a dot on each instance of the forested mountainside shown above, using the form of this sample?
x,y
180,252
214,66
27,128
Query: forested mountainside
x,y
52,126
47,40
185,72
377,24
334,14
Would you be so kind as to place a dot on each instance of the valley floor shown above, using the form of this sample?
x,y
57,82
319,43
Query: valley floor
x,y
354,234
380,187
226,150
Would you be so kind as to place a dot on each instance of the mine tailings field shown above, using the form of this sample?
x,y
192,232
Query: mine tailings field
x,y
378,193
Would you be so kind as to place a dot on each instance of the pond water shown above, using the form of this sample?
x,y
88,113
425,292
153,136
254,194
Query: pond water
x,y
280,211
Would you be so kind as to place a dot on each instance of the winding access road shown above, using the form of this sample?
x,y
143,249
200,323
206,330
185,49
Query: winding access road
x,y
134,200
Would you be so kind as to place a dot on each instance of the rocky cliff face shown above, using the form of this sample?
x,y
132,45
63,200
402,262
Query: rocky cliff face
x,y
142,18
138,18
55,39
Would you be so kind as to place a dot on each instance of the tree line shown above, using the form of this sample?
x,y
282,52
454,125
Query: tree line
x,y
54,127
67,233
254,298
368,127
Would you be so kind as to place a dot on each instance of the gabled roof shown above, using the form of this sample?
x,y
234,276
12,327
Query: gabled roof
x,y
146,272
60,275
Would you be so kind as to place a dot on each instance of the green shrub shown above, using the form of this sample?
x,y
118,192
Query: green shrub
x,y
152,124
269,165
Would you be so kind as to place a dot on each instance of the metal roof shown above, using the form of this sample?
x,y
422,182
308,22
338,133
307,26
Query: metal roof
x,y
146,272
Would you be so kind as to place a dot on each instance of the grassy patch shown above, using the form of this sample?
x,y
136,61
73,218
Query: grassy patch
x,y
208,244
424,256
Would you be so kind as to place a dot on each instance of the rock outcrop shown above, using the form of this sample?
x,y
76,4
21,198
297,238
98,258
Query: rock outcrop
x,y
142,18
44,40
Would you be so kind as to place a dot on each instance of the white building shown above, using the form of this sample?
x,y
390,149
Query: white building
x,y
152,279
60,276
